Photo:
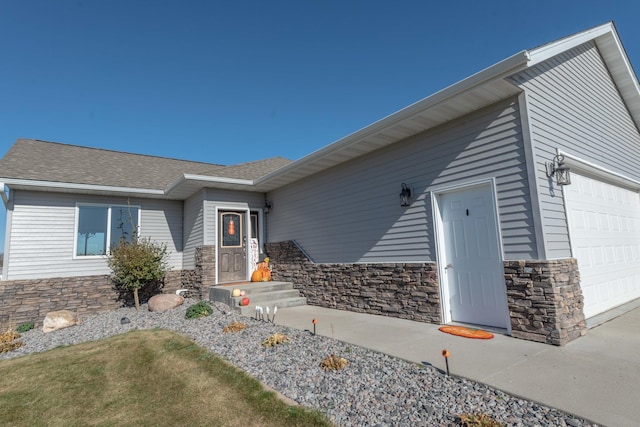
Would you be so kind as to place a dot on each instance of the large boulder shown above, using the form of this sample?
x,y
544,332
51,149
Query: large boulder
x,y
164,302
55,320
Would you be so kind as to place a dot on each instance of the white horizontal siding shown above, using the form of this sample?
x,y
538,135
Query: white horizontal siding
x,y
574,106
352,213
224,199
43,232
193,228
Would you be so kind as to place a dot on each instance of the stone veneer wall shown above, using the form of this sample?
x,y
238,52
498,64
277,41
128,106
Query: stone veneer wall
x,y
545,300
404,290
30,300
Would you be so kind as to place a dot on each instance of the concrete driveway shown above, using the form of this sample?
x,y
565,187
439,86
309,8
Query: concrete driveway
x,y
595,377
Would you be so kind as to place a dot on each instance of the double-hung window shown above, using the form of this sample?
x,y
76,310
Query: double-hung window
x,y
99,227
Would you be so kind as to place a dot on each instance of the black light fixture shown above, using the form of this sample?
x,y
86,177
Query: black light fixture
x,y
267,206
405,195
558,169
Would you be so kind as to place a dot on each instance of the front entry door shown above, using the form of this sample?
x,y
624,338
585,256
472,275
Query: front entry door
x,y
232,247
473,268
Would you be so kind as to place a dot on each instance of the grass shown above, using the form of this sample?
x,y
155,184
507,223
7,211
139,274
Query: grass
x,y
142,378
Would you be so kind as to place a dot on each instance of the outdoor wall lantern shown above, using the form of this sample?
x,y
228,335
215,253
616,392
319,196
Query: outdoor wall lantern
x,y
405,195
267,206
560,170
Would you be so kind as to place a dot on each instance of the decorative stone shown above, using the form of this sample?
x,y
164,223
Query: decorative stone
x,y
124,321
55,320
164,302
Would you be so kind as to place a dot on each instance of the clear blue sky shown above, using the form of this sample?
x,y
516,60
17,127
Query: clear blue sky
x,y
235,81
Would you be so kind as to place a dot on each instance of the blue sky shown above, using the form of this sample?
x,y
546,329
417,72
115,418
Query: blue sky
x,y
229,82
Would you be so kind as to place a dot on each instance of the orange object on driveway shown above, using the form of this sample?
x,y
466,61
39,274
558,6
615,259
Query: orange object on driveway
x,y
463,331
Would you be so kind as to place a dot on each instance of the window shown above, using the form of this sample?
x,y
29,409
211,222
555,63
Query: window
x,y
97,225
231,230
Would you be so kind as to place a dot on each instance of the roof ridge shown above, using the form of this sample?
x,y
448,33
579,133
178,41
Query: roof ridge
x,y
120,152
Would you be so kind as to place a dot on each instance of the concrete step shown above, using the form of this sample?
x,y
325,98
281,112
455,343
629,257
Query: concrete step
x,y
264,294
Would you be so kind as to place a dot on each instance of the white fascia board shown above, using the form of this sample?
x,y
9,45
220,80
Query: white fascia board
x,y
552,49
205,179
5,199
81,187
507,66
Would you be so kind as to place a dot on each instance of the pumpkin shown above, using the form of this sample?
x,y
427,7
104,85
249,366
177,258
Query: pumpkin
x,y
242,293
245,301
262,273
235,293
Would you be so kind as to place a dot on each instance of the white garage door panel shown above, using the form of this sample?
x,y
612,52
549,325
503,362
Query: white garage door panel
x,y
604,222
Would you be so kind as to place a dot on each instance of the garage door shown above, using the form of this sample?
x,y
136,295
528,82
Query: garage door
x,y
604,224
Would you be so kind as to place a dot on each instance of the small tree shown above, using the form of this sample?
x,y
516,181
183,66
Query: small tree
x,y
137,263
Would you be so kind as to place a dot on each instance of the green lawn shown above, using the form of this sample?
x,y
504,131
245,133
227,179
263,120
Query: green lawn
x,y
145,378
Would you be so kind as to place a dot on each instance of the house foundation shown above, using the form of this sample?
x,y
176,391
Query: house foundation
x,y
545,300
544,297
404,290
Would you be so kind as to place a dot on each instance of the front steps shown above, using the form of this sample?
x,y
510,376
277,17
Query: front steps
x,y
264,294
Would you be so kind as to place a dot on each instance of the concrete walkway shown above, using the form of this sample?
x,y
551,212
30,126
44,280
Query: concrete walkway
x,y
595,377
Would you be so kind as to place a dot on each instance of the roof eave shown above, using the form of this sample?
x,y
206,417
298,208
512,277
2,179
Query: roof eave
x,y
66,187
503,68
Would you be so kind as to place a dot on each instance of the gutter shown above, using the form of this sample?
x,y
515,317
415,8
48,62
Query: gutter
x,y
81,187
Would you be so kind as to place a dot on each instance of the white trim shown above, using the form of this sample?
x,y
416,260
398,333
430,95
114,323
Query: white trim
x,y
530,160
7,241
5,198
247,216
109,207
582,166
552,49
439,239
81,187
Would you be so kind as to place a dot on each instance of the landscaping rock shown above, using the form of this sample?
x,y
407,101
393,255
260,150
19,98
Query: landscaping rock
x,y
55,320
164,302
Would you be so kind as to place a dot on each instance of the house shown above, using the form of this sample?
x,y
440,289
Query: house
x,y
454,209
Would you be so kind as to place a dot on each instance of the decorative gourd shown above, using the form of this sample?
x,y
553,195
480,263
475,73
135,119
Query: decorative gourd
x,y
262,273
235,293
245,301
242,293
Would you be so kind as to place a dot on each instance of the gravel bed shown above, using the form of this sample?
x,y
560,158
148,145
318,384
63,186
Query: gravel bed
x,y
374,389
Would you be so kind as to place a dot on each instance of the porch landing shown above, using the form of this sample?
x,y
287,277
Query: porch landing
x,y
264,294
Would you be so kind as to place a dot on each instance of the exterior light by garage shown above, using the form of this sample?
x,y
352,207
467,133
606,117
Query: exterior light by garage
x,y
405,195
267,206
560,170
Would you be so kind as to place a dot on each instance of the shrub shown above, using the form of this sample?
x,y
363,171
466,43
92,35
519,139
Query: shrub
x,y
334,363
25,327
137,263
234,327
275,339
198,310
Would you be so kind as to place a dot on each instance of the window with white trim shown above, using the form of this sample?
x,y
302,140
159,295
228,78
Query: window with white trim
x,y
98,224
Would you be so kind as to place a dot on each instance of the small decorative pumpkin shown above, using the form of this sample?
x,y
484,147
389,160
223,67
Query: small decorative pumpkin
x,y
235,293
245,301
242,293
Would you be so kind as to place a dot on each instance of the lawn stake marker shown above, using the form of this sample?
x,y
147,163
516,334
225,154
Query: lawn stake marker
x,y
445,354
314,321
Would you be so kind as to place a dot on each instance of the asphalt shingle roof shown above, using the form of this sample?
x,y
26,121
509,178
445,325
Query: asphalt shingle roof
x,y
51,161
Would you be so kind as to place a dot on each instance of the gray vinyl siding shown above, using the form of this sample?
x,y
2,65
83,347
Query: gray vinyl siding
x,y
352,212
225,199
574,106
193,228
43,232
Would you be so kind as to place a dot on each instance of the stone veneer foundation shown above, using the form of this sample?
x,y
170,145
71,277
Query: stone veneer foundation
x,y
30,300
545,300
544,297
404,290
